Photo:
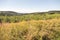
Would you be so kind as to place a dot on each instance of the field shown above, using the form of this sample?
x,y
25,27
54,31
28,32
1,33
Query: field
x,y
30,27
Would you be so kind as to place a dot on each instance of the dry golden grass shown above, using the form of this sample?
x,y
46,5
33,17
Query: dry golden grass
x,y
30,30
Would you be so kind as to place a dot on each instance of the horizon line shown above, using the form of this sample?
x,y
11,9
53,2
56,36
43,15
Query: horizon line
x,y
30,12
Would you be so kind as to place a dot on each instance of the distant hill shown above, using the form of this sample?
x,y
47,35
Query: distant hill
x,y
12,13
9,13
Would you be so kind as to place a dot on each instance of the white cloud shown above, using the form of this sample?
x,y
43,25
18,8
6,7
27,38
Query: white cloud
x,y
23,10
19,10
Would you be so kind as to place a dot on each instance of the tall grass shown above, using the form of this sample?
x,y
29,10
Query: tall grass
x,y
15,19
31,30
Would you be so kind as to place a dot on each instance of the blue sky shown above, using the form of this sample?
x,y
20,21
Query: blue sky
x,y
29,5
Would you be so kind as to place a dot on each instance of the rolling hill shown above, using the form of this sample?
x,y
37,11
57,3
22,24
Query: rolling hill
x,y
12,13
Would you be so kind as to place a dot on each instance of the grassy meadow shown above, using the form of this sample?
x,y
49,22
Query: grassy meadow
x,y
30,27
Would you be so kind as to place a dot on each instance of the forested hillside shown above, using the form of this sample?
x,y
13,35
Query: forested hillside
x,y
10,16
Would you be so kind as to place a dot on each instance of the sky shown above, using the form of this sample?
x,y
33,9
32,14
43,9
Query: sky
x,y
27,6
